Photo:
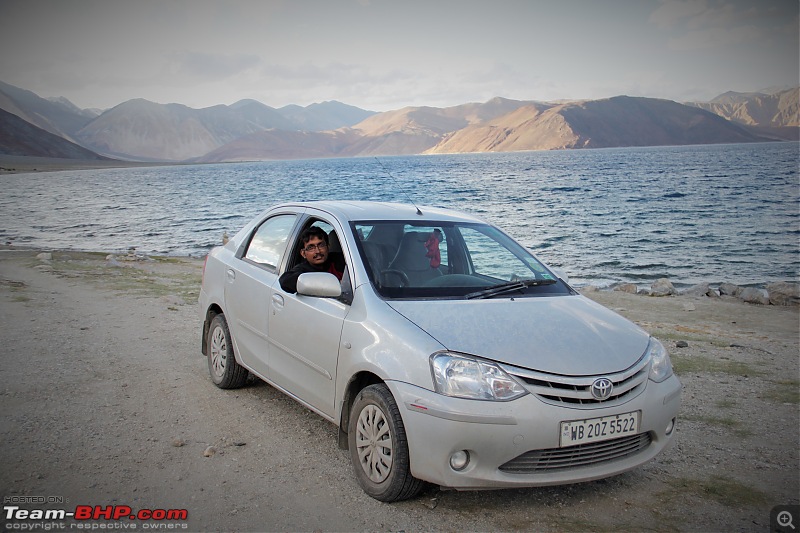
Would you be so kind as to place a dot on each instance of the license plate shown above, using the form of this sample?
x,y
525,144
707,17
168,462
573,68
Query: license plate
x,y
598,429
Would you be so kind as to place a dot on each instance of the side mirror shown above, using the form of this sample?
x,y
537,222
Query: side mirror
x,y
321,284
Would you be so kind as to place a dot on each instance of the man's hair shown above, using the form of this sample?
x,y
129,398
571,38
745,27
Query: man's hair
x,y
313,231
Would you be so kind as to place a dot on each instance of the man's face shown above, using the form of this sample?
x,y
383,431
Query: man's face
x,y
315,251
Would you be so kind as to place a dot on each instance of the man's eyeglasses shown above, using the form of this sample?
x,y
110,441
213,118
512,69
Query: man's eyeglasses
x,y
314,247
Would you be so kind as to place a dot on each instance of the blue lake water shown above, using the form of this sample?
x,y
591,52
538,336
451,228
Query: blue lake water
x,y
709,213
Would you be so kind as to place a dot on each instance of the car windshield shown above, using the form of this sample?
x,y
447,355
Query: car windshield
x,y
409,259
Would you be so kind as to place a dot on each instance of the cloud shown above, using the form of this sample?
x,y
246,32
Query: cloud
x,y
704,24
208,66
671,12
716,38
383,55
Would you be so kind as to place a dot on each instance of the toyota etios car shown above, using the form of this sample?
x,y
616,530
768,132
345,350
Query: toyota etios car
x,y
441,348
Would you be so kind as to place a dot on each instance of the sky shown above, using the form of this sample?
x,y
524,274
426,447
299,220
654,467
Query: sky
x,y
382,55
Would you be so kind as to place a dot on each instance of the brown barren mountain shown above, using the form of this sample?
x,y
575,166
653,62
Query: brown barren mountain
x,y
249,130
775,115
775,110
278,144
58,116
618,121
19,137
173,132
506,133
413,130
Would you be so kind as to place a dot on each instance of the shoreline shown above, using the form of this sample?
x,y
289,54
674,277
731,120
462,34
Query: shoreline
x,y
20,164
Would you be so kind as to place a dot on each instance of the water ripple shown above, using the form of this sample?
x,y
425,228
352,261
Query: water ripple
x,y
697,213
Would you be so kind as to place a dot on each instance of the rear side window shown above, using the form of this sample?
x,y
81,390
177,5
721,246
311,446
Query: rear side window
x,y
269,241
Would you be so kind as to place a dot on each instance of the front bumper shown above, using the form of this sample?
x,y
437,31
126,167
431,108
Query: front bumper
x,y
494,433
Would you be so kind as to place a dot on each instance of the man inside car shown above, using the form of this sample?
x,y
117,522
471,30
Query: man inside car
x,y
316,258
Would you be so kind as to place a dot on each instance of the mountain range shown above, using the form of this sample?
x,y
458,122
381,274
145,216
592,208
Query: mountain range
x,y
140,130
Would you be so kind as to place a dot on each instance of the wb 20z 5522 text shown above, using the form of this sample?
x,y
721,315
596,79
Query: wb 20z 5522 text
x,y
598,429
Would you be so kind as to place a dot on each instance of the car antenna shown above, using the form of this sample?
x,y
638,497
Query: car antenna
x,y
398,185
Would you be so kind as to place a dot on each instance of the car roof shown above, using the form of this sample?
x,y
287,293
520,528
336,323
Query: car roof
x,y
357,210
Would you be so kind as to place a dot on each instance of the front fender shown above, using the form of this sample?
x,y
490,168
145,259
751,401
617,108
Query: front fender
x,y
378,341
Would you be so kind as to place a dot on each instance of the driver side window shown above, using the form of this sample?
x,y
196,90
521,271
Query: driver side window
x,y
335,254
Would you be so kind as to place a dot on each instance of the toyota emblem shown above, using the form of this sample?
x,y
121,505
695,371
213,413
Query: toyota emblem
x,y
601,388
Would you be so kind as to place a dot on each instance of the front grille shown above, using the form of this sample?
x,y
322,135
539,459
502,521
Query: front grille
x,y
540,461
576,391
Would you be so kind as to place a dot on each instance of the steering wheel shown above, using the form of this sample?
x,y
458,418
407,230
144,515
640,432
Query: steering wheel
x,y
404,281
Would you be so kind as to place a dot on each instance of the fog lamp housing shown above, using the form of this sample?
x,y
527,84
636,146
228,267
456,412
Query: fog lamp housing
x,y
459,460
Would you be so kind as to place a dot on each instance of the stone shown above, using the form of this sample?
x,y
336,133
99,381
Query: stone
x,y
45,256
701,289
729,289
753,295
662,287
784,293
681,344
630,288
209,451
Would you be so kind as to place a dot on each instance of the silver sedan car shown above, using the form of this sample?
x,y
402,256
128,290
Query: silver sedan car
x,y
443,350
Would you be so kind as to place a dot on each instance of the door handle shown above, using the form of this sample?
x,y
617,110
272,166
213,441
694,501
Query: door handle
x,y
277,301
231,274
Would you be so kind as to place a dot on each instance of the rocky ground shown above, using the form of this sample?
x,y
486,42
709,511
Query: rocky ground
x,y
105,400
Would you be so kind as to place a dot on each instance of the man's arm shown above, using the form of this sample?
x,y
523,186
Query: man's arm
x,y
288,279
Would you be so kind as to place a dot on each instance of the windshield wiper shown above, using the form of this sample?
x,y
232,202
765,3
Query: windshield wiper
x,y
509,286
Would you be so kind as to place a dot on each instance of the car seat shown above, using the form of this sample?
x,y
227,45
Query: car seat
x,y
412,259
335,251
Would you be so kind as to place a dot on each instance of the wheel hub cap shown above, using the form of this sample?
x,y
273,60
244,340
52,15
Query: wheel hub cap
x,y
374,443
219,352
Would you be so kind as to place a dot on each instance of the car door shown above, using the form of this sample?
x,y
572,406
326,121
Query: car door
x,y
305,334
248,282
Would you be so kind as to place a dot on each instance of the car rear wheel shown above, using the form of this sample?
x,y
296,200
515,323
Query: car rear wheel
x,y
225,372
378,446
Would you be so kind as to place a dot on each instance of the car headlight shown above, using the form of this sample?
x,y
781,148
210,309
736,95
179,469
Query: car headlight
x,y
660,365
463,376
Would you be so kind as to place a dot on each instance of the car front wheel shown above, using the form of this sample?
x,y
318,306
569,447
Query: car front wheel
x,y
378,446
225,372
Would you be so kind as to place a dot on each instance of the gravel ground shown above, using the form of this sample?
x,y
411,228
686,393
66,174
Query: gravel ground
x,y
106,401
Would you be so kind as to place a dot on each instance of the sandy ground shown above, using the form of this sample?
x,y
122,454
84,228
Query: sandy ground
x,y
105,400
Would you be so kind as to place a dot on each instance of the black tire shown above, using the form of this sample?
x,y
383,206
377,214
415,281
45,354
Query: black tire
x,y
225,372
378,446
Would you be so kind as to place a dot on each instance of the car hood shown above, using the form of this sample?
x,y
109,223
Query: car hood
x,y
567,335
